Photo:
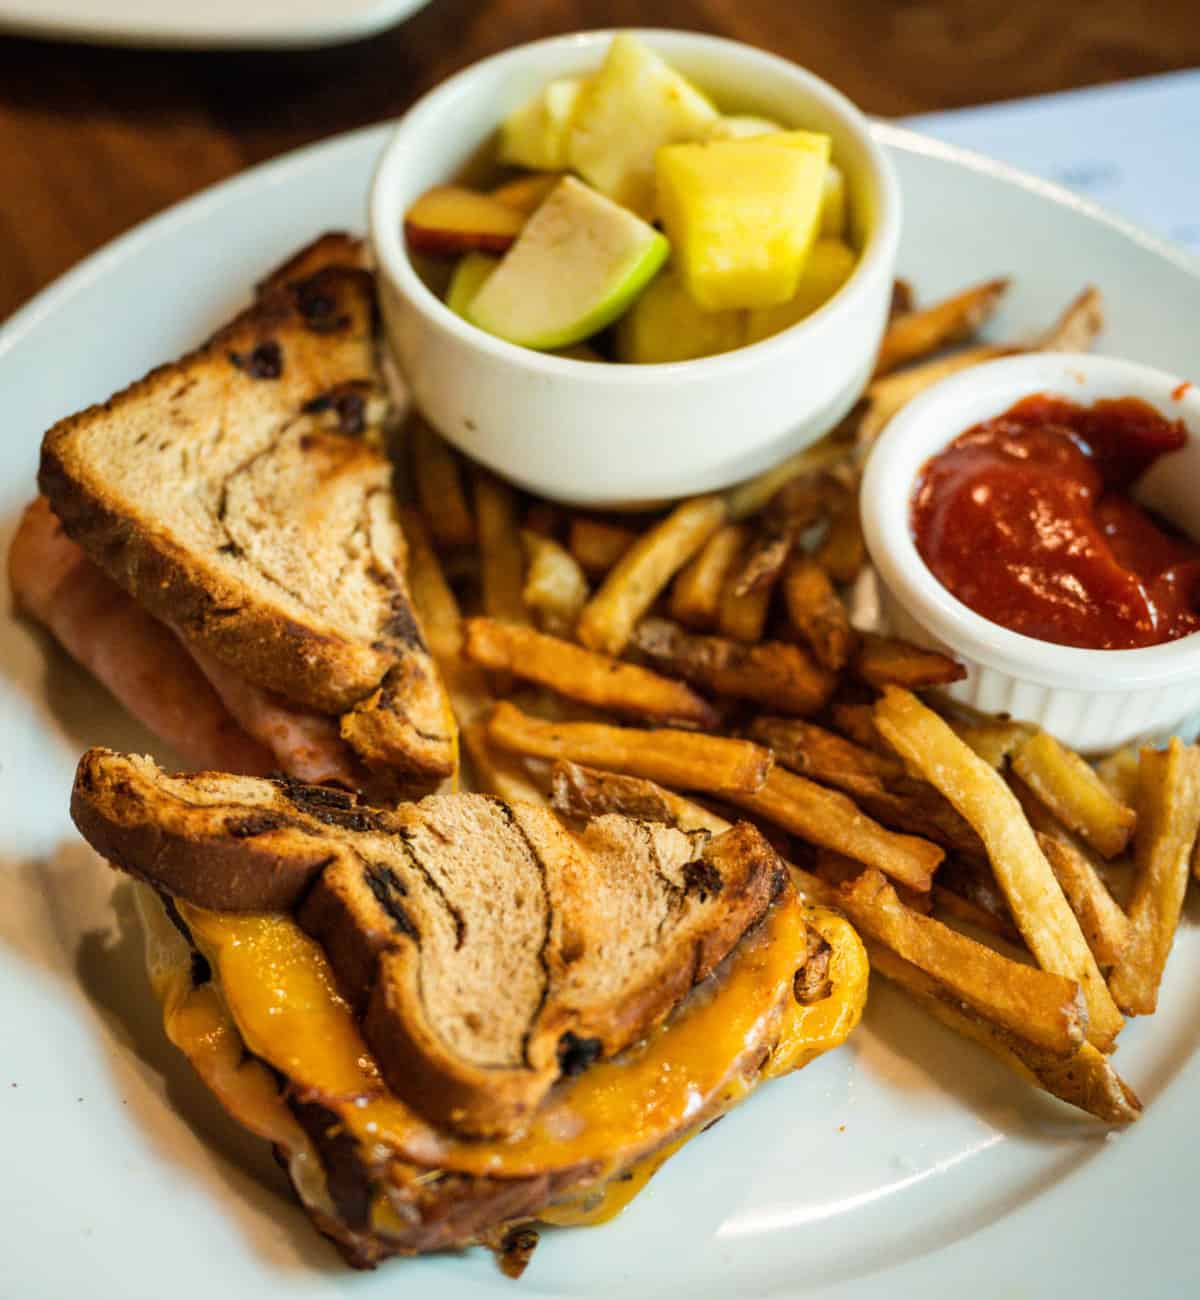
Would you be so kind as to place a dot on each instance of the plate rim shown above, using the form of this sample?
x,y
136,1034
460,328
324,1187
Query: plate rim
x,y
20,18
1017,1239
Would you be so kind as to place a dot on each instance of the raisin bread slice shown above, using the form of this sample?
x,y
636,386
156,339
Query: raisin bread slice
x,y
489,948
242,496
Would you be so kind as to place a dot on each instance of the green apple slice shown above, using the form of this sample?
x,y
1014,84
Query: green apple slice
x,y
577,265
470,275
535,135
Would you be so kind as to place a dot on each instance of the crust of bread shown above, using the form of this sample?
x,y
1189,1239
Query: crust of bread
x,y
333,248
302,660
205,853
488,949
298,369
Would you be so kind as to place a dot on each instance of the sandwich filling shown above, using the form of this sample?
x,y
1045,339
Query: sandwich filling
x,y
271,1001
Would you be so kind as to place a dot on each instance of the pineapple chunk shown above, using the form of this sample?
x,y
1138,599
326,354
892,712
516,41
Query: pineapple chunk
x,y
627,109
535,135
833,204
827,269
742,128
666,325
741,215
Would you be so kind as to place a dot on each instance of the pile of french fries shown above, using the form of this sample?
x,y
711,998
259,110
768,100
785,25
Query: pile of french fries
x,y
701,665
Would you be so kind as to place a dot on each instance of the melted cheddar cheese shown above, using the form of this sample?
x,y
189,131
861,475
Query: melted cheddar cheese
x,y
281,993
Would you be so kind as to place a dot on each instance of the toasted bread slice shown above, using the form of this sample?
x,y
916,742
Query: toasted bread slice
x,y
241,496
489,949
377,1198
334,248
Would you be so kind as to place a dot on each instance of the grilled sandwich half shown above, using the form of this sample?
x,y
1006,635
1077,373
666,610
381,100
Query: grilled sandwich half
x,y
220,543
458,1016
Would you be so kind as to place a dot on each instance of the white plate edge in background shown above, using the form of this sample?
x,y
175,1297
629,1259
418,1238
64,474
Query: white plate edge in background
x,y
204,24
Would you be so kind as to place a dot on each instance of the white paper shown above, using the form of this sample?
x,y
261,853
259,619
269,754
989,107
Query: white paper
x,y
1133,147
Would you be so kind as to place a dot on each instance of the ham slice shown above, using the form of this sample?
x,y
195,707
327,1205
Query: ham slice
x,y
133,655
189,699
306,745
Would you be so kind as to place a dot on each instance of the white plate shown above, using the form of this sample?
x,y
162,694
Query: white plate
x,y
908,1163
204,24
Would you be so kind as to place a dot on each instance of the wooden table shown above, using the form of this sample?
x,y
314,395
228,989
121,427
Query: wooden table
x,y
94,140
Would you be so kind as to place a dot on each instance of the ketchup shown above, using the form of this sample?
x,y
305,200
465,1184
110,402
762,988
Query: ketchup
x,y
1027,519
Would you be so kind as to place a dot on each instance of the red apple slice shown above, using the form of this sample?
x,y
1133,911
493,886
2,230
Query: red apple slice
x,y
527,193
449,220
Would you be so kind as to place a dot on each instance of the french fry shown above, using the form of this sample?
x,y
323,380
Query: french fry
x,y
885,397
837,869
947,903
502,563
597,544
1041,1007
763,562
1086,1080
884,661
856,720
497,772
877,783
554,583
1076,329
1034,895
441,621
802,502
544,518
696,591
972,881
1104,923
439,487
633,584
583,792
843,552
903,299
816,612
580,674
743,617
824,756
749,498
435,603
829,819
688,759
953,320
771,672
1168,819
1119,771
993,741
1074,793
1105,926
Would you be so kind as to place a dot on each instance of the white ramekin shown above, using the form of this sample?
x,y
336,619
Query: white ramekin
x,y
601,435
1093,700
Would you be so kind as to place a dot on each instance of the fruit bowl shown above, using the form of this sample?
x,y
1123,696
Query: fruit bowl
x,y
610,435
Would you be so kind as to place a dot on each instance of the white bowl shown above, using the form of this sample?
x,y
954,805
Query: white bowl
x,y
1093,700
606,435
